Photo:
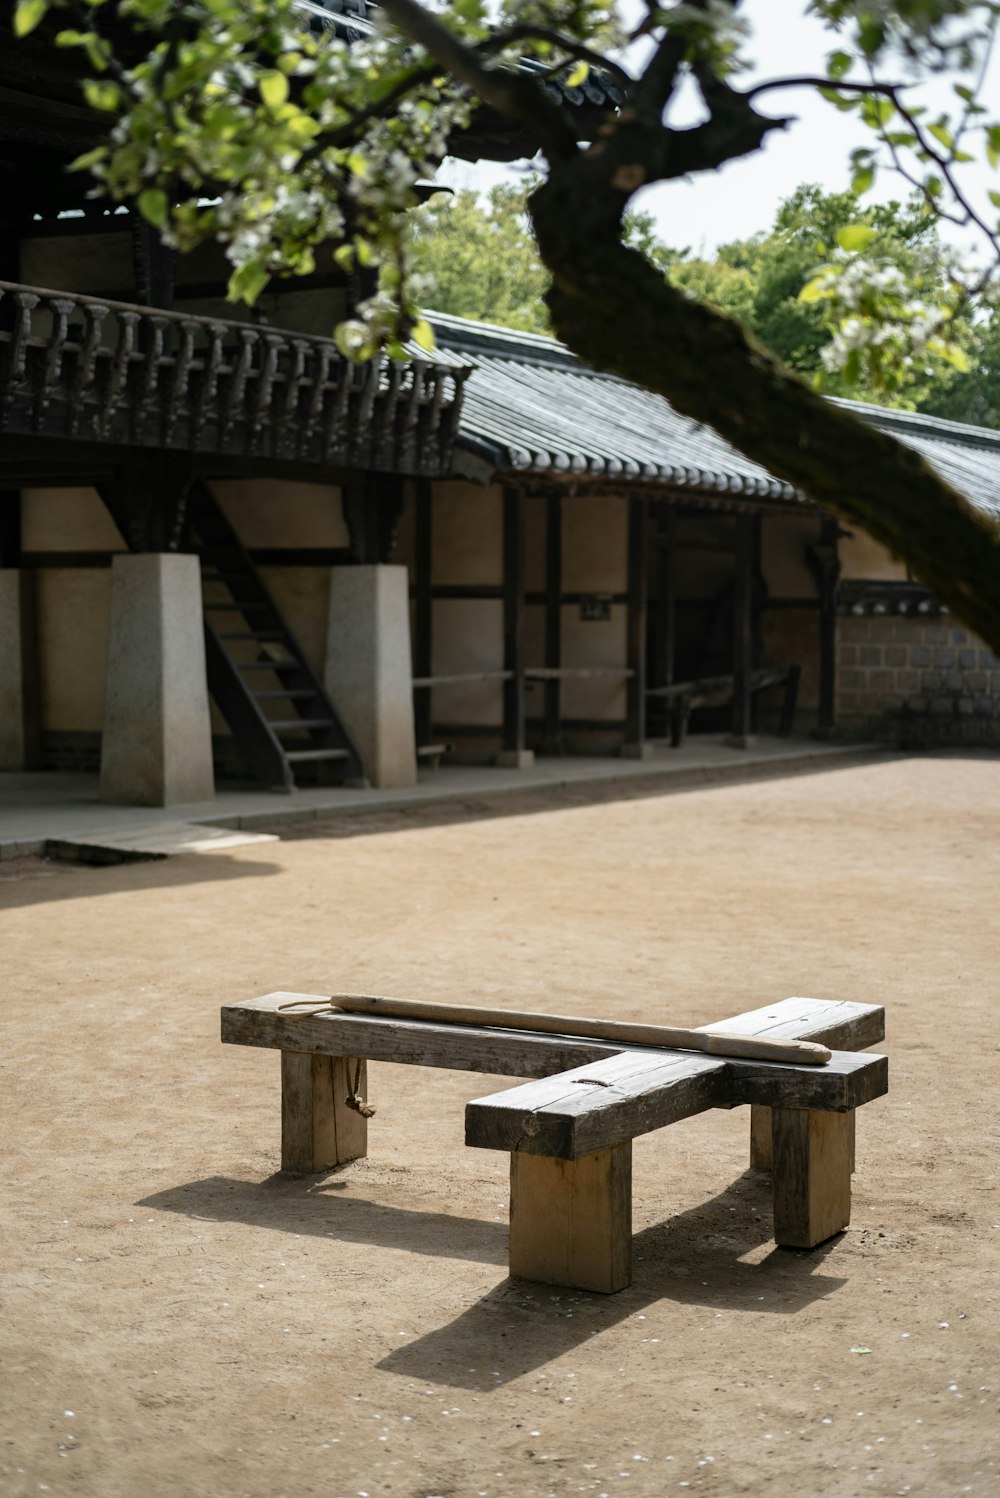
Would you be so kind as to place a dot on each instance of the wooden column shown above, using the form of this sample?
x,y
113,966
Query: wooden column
x,y
762,1137
423,615
663,644
552,737
739,737
514,754
318,1130
811,1175
571,1220
635,746
828,573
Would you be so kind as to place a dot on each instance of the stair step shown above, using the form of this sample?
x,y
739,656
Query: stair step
x,y
266,636
289,692
269,666
285,725
299,756
235,608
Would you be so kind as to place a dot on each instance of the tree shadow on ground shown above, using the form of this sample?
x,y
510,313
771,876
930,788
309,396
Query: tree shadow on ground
x,y
34,880
707,1256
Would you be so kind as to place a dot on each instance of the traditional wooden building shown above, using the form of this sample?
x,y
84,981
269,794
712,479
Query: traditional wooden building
x,y
225,551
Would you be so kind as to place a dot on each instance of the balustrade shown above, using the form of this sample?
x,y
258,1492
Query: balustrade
x,y
99,371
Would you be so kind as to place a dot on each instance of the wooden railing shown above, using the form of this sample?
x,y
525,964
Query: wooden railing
x,y
96,371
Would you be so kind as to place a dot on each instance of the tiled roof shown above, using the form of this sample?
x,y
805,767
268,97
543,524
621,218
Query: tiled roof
x,y
531,407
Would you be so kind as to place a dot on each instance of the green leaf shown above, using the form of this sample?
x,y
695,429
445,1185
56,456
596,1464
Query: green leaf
x,y
941,132
423,335
838,63
154,206
27,15
273,89
578,75
246,284
862,180
88,159
101,94
994,198
816,290
854,236
344,257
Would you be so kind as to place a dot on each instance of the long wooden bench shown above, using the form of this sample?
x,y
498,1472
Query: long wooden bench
x,y
682,697
569,1130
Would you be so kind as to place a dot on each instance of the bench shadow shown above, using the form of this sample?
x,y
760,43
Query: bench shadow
x,y
314,1206
693,1258
698,1257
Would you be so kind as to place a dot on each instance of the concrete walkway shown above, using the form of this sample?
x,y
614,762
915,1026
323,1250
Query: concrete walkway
x,y
60,814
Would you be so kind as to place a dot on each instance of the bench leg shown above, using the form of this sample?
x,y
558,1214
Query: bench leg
x,y
760,1137
571,1220
761,1126
811,1175
318,1129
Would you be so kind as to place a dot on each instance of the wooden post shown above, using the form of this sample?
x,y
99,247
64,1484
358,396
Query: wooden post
x,y
571,1220
663,646
514,755
828,575
635,746
739,737
761,1152
811,1175
318,1130
423,620
552,739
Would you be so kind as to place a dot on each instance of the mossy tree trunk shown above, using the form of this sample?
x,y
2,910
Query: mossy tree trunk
x,y
616,311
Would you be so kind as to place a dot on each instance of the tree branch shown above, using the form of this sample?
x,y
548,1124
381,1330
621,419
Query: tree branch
x,y
709,368
503,89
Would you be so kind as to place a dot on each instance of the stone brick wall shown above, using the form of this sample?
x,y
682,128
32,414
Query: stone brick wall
x,y
916,681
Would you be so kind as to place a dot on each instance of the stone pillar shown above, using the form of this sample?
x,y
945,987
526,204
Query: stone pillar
x,y
369,674
18,726
157,744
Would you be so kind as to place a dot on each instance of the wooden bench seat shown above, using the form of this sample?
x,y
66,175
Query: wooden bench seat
x,y
569,1130
680,698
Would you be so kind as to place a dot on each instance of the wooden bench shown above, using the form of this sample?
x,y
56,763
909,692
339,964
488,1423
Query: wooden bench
x,y
569,1130
682,697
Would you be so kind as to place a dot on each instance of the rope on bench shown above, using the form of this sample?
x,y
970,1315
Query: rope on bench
x,y
354,1098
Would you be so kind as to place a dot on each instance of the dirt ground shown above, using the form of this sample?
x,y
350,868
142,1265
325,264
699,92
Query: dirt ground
x,y
178,1319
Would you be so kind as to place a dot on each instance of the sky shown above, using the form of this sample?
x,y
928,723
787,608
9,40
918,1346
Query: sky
x,y
703,212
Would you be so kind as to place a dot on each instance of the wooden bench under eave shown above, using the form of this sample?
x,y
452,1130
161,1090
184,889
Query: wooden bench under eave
x,y
570,1135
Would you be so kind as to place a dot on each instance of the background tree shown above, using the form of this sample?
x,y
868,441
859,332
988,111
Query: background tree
x,y
300,142
477,258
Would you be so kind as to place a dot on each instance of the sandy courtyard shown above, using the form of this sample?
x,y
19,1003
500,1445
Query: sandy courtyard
x,y
178,1319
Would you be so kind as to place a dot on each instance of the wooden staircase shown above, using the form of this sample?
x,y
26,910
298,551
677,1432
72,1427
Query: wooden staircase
x,y
258,674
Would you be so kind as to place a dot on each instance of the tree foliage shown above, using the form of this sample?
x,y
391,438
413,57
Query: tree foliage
x,y
298,141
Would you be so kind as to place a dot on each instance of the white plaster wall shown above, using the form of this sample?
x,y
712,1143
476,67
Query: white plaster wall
x,y
73,616
67,520
468,636
277,513
467,535
861,557
595,544
586,643
303,596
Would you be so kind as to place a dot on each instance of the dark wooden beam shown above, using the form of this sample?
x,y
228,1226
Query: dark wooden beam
x,y
513,620
551,737
742,632
826,569
10,528
423,613
638,588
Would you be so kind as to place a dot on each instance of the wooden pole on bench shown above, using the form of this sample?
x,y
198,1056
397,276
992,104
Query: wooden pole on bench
x,y
663,1037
